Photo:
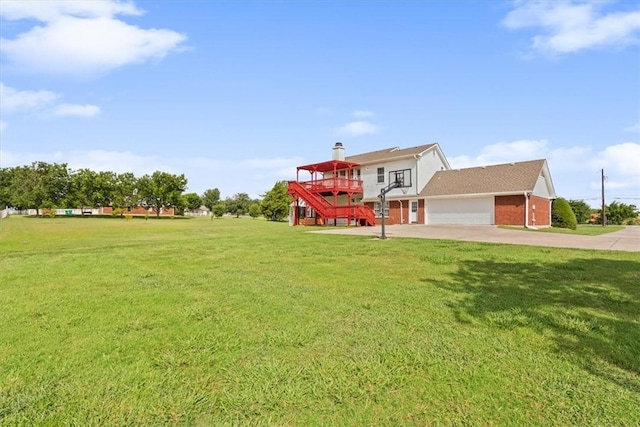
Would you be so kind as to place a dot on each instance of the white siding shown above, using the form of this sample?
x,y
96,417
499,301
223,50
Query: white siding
x,y
473,210
541,188
370,178
428,165
421,169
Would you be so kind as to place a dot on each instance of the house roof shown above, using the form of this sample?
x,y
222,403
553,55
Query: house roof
x,y
329,166
388,154
493,179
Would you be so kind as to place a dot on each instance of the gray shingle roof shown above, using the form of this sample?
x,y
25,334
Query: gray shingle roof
x,y
387,154
504,178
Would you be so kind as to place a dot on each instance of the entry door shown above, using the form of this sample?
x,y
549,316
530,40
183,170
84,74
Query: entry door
x,y
413,212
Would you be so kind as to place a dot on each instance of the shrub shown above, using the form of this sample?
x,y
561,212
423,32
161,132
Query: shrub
x,y
117,212
219,209
254,210
618,213
562,216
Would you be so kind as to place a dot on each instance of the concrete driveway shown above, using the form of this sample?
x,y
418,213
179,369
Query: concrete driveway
x,y
627,239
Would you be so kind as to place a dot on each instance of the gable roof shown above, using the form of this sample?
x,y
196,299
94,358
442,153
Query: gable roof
x,y
388,154
494,179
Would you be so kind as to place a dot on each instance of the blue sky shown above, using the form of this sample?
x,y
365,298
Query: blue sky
x,y
236,94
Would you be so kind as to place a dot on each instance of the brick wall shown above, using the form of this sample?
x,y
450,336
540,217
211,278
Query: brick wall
x,y
539,216
509,210
395,216
421,219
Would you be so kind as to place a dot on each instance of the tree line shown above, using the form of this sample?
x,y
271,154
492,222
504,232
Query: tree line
x,y
43,185
570,213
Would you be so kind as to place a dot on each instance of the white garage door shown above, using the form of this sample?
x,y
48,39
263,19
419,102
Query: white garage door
x,y
476,210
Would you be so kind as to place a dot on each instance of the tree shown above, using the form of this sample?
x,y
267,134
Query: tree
x,y
617,213
192,201
219,209
6,177
561,214
125,191
581,210
238,204
275,204
254,210
40,184
210,198
91,189
161,190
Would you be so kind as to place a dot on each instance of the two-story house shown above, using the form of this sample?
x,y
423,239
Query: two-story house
x,y
347,189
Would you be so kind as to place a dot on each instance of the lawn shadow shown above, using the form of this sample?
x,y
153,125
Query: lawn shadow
x,y
590,307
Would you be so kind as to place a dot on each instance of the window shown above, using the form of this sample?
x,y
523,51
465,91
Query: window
x,y
403,176
311,213
376,209
380,175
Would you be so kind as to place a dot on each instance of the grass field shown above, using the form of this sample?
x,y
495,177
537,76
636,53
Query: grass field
x,y
248,322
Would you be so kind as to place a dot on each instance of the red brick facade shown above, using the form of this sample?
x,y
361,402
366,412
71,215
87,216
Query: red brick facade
x,y
509,210
399,212
540,216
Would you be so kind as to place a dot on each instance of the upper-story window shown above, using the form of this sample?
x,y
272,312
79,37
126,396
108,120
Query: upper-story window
x,y
402,176
380,175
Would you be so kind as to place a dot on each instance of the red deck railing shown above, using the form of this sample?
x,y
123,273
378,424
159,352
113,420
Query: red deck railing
x,y
333,184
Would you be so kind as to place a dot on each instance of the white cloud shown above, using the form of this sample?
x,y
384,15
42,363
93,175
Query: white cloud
x,y
76,110
82,38
570,26
50,10
504,152
20,101
623,158
12,99
362,114
358,128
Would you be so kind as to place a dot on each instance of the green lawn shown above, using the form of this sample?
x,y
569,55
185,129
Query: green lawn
x,y
583,229
240,321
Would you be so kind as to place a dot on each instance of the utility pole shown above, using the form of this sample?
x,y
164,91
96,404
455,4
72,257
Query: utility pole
x,y
603,215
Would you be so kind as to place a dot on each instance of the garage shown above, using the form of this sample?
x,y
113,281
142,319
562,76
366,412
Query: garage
x,y
471,210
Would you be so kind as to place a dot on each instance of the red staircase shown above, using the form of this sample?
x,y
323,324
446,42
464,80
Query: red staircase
x,y
325,209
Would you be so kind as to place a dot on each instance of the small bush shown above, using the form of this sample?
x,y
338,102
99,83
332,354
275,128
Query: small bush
x,y
254,210
117,212
562,215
